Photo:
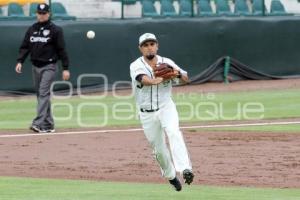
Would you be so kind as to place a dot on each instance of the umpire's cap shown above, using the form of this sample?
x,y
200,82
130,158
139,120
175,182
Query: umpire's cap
x,y
147,37
42,8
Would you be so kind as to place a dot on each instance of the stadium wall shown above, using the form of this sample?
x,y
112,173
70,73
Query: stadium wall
x,y
267,44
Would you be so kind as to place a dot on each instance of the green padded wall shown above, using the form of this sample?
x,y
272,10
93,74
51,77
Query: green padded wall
x,y
268,44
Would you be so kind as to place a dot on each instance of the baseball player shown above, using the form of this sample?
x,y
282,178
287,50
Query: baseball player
x,y
157,111
45,42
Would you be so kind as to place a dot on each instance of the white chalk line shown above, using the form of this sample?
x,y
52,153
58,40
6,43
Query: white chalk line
x,y
140,129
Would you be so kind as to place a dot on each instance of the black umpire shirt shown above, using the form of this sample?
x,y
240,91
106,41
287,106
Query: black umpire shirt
x,y
45,42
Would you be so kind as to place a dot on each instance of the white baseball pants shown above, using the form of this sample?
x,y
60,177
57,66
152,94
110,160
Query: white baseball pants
x,y
156,125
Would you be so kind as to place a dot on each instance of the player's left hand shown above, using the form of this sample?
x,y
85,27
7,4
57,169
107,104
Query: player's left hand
x,y
19,68
66,75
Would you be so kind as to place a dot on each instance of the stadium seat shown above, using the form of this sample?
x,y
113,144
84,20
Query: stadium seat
x,y
185,8
15,10
277,8
32,9
241,8
129,2
148,9
59,12
204,8
257,7
222,7
167,9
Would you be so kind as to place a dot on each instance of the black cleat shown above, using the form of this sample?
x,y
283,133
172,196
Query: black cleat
x,y
35,128
176,184
47,130
188,176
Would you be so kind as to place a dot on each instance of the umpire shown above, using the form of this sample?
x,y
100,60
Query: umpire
x,y
44,41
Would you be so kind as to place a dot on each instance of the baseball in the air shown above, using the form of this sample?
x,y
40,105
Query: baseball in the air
x,y
90,34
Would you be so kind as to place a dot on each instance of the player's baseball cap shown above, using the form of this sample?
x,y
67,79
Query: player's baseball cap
x,y
147,37
42,8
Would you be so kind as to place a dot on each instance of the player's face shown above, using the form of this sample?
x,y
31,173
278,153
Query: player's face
x,y
149,48
42,17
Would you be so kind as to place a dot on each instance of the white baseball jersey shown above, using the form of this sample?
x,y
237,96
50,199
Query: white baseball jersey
x,y
154,96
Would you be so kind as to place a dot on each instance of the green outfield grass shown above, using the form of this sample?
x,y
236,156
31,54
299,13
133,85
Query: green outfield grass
x,y
49,189
274,104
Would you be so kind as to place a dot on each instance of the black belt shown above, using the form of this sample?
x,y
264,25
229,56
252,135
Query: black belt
x,y
152,110
40,64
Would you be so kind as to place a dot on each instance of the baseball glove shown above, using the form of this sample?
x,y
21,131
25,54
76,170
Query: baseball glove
x,y
165,71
